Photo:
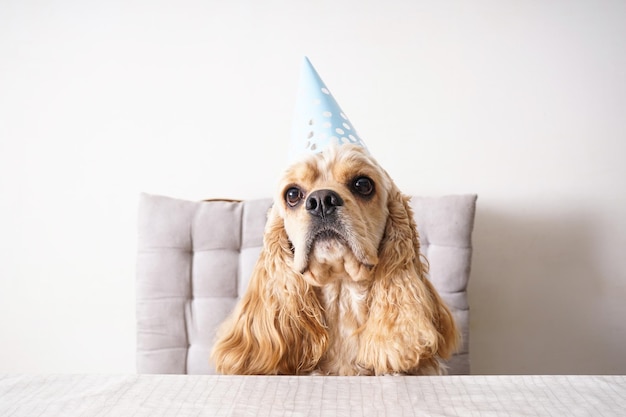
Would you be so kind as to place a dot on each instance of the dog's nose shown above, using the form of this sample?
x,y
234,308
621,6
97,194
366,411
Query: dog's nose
x,y
323,203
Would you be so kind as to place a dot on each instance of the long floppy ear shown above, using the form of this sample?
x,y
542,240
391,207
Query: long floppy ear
x,y
409,327
277,327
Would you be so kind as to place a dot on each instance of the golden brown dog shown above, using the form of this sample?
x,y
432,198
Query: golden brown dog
x,y
340,287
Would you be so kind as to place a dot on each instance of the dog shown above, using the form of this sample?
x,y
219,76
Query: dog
x,y
340,287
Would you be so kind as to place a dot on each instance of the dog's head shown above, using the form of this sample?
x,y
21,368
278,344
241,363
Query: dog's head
x,y
335,207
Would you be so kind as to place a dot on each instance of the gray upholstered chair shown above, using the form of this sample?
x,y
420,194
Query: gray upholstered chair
x,y
195,259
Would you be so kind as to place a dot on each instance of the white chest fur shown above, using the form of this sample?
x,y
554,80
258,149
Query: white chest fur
x,y
345,310
342,284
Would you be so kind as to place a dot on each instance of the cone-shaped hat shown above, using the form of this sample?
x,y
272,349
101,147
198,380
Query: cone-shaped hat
x,y
318,119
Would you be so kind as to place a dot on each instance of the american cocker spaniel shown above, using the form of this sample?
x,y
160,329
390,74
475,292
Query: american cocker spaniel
x,y
340,287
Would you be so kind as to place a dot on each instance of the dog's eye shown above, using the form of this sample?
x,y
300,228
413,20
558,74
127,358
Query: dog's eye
x,y
363,186
293,196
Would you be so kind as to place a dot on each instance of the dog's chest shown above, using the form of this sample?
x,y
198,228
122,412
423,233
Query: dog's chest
x,y
345,311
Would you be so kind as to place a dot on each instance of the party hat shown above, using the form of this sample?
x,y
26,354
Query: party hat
x,y
318,120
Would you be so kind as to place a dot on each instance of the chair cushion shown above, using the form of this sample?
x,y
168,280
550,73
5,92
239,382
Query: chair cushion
x,y
195,259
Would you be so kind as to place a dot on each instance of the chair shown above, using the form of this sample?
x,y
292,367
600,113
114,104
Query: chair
x,y
195,258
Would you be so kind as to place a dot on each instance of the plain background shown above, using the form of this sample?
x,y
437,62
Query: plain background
x,y
521,102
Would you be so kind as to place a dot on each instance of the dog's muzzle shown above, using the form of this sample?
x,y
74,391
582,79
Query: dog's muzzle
x,y
323,206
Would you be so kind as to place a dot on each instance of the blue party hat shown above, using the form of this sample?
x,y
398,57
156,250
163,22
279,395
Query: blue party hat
x,y
318,121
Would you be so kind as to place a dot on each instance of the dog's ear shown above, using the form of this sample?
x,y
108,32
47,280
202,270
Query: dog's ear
x,y
277,327
409,327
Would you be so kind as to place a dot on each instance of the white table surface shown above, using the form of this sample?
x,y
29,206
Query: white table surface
x,y
187,395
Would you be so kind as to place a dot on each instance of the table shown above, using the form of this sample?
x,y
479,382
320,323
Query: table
x,y
212,395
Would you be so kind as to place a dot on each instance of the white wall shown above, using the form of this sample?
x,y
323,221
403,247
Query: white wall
x,y
523,103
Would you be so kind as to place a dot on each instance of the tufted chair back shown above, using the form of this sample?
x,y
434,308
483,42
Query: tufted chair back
x,y
195,259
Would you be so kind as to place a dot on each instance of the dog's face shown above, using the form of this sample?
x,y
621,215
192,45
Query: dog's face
x,y
334,207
